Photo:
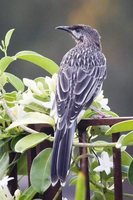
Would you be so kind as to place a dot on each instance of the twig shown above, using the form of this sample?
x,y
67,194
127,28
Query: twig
x,y
91,145
82,156
94,144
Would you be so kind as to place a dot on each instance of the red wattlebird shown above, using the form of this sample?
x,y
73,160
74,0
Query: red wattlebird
x,y
82,72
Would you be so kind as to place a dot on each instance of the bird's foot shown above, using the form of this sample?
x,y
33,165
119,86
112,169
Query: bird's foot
x,y
99,114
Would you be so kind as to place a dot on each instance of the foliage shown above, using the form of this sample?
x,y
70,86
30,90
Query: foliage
x,y
32,102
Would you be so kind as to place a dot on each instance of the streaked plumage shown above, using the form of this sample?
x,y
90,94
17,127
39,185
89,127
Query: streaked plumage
x,y
82,71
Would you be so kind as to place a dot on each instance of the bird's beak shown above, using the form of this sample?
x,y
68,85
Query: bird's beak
x,y
64,28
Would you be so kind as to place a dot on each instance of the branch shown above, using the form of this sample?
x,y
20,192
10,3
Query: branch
x,y
91,145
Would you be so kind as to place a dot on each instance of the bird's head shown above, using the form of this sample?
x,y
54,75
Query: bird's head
x,y
82,33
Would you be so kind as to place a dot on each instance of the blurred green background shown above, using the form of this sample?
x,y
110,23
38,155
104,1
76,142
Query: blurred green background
x,y
35,20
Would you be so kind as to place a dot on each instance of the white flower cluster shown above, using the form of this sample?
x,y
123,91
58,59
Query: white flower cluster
x,y
4,191
37,88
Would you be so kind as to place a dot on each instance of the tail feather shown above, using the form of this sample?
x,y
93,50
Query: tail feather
x,y
54,176
62,154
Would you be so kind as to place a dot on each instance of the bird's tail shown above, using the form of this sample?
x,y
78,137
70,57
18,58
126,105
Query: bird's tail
x,y
61,155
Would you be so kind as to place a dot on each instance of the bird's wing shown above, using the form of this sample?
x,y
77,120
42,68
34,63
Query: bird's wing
x,y
77,86
63,94
88,82
86,89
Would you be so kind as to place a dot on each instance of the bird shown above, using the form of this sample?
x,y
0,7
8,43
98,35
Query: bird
x,y
80,79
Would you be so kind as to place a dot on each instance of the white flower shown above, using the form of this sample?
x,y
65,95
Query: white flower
x,y
5,180
51,82
37,88
33,86
17,111
102,101
28,98
106,163
4,191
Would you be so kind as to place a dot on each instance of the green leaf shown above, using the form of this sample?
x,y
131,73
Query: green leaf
x,y
35,107
1,48
5,62
3,80
126,158
130,173
40,171
39,60
73,180
8,37
99,130
30,141
121,127
3,44
119,142
32,57
125,140
15,81
124,170
4,164
2,120
10,97
32,118
109,195
15,140
80,187
98,196
22,165
28,194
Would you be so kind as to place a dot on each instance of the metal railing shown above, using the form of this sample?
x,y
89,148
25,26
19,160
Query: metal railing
x,y
84,164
